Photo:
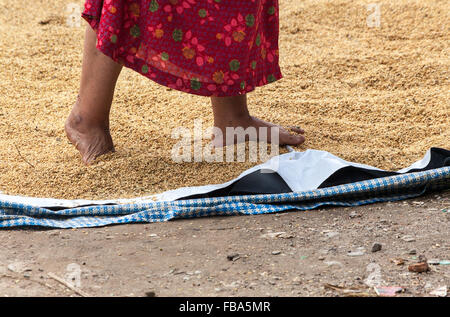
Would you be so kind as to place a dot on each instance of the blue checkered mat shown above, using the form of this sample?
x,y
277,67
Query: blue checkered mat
x,y
390,188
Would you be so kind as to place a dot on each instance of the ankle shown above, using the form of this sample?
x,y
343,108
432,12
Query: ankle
x,y
229,111
234,120
85,122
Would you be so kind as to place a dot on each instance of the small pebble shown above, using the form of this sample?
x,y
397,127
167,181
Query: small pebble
x,y
233,257
419,267
276,252
376,247
408,238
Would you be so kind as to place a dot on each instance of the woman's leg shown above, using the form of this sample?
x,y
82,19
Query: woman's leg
x,y
87,126
233,112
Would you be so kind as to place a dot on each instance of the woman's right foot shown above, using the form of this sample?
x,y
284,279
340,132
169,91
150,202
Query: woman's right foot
x,y
232,112
285,136
90,138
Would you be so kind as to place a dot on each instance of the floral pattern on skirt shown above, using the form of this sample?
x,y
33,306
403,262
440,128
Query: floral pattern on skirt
x,y
202,47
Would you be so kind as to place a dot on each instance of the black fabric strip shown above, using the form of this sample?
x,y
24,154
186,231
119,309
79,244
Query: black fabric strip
x,y
251,184
350,174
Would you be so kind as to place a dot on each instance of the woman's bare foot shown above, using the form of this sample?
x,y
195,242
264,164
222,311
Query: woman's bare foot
x,y
91,138
232,112
87,126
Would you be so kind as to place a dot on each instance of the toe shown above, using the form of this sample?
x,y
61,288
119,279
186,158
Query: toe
x,y
297,130
290,139
88,158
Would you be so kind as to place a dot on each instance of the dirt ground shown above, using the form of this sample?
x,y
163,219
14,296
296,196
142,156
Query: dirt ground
x,y
190,257
378,96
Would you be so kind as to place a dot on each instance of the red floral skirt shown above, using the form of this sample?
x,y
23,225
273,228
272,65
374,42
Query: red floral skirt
x,y
203,47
